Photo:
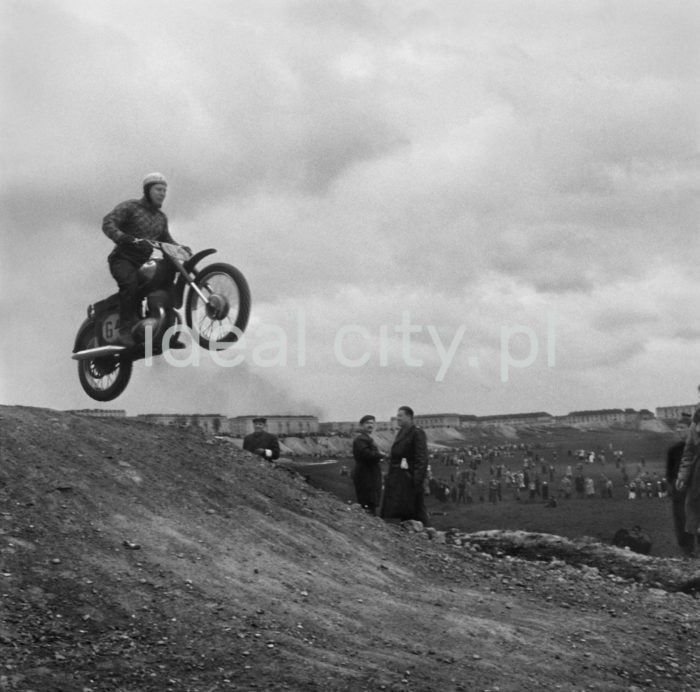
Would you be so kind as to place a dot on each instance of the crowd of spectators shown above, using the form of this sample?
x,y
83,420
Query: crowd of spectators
x,y
530,473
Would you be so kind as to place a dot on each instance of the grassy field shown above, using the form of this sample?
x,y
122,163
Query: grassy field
x,y
596,517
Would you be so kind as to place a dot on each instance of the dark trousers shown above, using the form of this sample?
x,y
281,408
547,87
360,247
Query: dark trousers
x,y
402,499
368,485
686,540
421,511
125,272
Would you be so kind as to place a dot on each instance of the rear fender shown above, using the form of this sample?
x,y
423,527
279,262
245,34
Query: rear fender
x,y
87,324
181,282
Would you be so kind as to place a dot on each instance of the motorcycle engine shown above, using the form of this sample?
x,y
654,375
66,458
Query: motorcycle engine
x,y
139,329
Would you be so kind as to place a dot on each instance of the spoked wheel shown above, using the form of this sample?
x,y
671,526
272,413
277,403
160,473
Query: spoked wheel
x,y
219,322
105,378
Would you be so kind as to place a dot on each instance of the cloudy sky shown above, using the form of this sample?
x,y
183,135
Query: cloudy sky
x,y
467,206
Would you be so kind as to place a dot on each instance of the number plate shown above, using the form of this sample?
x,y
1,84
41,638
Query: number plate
x,y
110,328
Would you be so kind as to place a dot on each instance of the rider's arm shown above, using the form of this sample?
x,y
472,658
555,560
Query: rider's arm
x,y
115,221
165,234
364,449
273,449
420,464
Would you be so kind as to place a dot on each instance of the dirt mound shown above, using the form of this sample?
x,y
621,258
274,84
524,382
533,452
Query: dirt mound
x,y
654,425
138,557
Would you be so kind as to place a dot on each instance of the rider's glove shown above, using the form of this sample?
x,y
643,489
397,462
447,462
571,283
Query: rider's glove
x,y
127,239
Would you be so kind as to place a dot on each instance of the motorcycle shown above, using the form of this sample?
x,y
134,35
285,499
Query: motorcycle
x,y
216,308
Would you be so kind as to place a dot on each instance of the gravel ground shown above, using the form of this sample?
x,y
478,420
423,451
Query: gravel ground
x,y
136,558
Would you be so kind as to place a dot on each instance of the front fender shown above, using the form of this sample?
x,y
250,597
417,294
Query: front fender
x,y
189,265
181,282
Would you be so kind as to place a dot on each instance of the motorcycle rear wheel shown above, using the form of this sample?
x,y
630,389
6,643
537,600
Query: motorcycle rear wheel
x,y
219,323
105,378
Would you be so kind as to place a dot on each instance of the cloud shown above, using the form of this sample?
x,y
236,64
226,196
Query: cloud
x,y
484,165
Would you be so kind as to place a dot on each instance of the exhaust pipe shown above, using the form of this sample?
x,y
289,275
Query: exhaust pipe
x,y
98,352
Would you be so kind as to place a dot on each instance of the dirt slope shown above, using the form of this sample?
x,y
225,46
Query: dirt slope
x,y
136,557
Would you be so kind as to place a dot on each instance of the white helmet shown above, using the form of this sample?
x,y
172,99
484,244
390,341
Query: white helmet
x,y
153,179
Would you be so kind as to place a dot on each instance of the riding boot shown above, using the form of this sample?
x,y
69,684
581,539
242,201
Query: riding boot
x,y
175,343
125,336
127,321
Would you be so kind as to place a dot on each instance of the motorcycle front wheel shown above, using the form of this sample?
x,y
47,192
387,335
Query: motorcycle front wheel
x,y
221,320
105,378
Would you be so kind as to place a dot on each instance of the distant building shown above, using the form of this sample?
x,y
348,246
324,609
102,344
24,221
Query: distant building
x,y
345,427
516,419
300,425
99,412
427,420
604,416
468,421
349,427
277,425
212,423
673,413
438,420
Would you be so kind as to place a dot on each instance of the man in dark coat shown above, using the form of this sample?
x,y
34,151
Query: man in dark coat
x,y
367,475
261,442
686,540
688,481
403,495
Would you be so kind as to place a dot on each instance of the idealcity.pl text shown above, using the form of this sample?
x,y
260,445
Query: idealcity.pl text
x,y
272,345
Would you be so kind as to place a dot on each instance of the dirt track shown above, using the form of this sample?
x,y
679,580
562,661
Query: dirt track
x,y
136,557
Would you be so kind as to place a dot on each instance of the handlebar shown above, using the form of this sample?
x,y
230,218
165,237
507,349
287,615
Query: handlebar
x,y
178,253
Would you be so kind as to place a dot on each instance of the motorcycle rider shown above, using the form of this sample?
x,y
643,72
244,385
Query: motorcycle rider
x,y
128,224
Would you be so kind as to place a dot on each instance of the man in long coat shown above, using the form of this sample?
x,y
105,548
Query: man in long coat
x,y
686,540
403,494
689,477
367,475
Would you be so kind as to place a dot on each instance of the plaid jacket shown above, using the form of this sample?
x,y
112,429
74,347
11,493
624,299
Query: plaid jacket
x,y
135,218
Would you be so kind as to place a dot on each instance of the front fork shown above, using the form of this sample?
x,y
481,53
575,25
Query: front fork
x,y
189,276
188,279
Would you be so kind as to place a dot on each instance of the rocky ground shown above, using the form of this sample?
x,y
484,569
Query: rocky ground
x,y
136,558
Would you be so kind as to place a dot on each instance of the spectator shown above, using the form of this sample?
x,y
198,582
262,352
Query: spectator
x,y
685,539
404,496
261,442
565,487
493,491
608,488
461,489
367,475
